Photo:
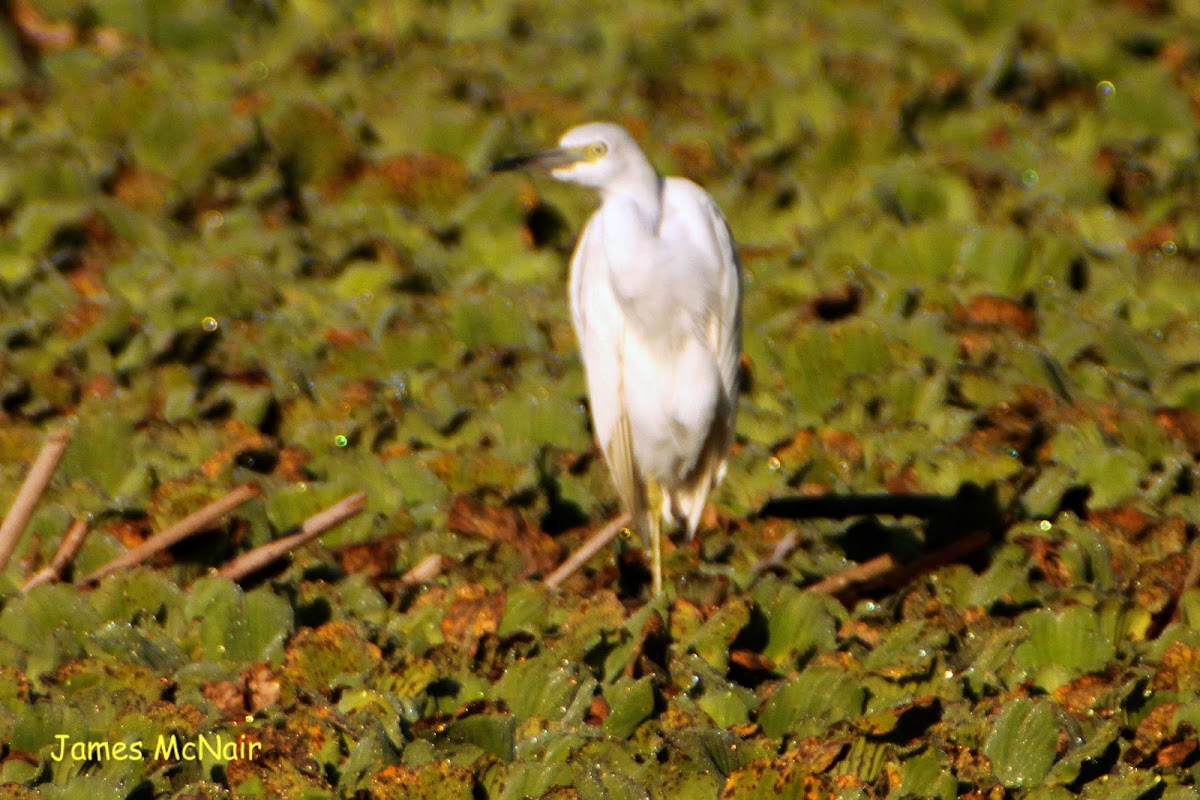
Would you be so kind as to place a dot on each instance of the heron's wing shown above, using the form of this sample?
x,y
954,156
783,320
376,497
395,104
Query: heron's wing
x,y
601,328
713,262
725,320
712,265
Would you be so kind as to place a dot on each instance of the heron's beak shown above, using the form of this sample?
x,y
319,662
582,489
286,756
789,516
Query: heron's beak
x,y
548,160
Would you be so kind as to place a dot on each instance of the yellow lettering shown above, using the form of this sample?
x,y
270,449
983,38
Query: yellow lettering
x,y
167,748
189,751
62,746
208,748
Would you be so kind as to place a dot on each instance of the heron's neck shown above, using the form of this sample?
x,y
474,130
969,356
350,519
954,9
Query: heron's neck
x,y
644,187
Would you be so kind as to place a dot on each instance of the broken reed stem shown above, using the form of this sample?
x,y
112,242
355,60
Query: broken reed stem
x,y
67,548
885,571
193,523
861,573
782,550
595,543
1190,581
314,526
949,554
30,491
425,570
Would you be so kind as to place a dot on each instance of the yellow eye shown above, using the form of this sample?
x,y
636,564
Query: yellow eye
x,y
597,149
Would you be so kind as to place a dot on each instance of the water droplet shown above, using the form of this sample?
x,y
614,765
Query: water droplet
x,y
774,463
1169,248
1045,525
625,534
1105,88
340,441
1029,178
212,220
209,324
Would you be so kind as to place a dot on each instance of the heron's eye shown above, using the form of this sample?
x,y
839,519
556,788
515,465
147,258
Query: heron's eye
x,y
597,149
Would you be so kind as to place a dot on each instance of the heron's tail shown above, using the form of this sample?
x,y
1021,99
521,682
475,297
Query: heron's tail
x,y
687,501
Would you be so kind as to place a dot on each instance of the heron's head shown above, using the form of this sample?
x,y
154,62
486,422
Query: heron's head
x,y
599,154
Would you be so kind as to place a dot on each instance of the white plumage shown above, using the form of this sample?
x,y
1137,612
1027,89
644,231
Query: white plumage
x,y
655,293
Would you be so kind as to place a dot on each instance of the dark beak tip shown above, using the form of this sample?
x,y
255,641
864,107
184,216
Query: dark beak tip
x,y
509,164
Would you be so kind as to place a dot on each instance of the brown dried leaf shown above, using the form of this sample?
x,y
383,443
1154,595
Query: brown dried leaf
x,y
796,450
1153,238
240,436
1127,521
816,754
1174,755
598,712
1179,670
472,614
371,559
225,695
1181,424
992,312
262,686
751,661
1156,728
1080,695
504,524
903,481
140,189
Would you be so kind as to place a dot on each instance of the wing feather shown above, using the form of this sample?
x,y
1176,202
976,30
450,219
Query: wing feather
x,y
717,264
601,329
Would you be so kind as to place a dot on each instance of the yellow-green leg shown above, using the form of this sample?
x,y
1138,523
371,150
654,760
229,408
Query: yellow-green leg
x,y
656,552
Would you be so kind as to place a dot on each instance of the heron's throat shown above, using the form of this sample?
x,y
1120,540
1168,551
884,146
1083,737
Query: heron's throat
x,y
645,189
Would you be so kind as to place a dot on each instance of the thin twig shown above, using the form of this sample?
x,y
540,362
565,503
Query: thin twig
x,y
30,491
951,553
583,554
314,526
900,574
1190,581
860,573
193,523
425,570
67,548
783,549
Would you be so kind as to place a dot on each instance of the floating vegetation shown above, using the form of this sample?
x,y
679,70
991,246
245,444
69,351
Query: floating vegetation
x,y
312,423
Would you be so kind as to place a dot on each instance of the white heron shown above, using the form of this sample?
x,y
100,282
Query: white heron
x,y
655,293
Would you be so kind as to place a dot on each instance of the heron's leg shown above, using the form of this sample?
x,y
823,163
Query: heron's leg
x,y
656,552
